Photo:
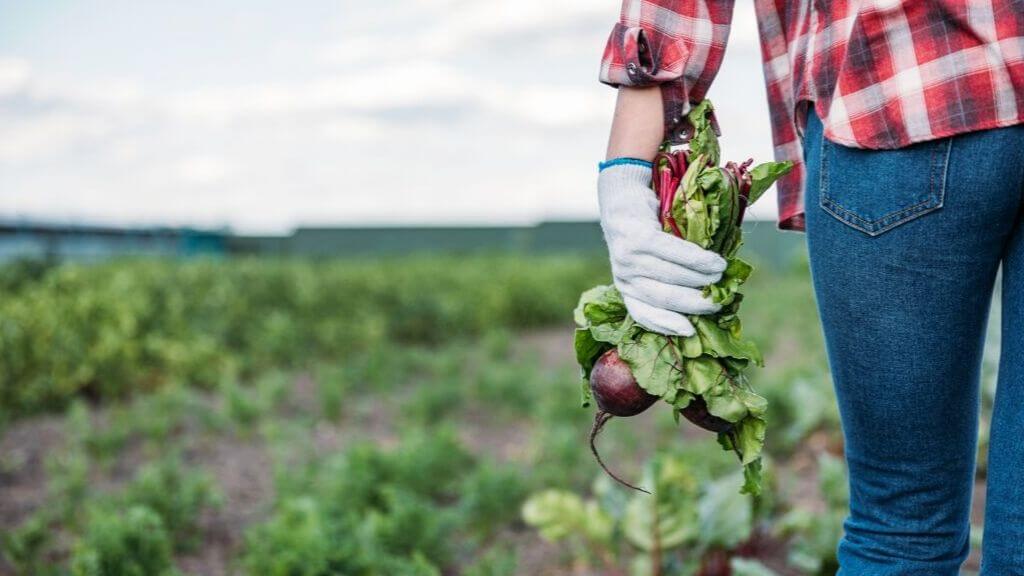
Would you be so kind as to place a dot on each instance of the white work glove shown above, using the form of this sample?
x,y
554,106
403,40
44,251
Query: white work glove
x,y
659,275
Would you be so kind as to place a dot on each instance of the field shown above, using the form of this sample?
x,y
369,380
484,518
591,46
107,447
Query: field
x,y
407,416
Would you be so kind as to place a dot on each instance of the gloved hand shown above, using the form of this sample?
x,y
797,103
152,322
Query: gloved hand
x,y
659,275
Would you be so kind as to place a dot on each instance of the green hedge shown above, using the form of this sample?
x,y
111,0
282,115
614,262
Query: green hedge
x,y
105,330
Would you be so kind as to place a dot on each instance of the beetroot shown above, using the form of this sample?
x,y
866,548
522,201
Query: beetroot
x,y
615,389
697,412
617,394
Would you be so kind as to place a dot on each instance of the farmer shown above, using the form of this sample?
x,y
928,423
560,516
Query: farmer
x,y
905,121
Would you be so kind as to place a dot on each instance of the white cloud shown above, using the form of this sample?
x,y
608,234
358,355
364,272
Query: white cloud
x,y
51,134
415,83
203,170
549,105
485,20
451,28
14,75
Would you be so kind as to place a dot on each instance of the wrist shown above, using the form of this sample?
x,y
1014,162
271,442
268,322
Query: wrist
x,y
638,126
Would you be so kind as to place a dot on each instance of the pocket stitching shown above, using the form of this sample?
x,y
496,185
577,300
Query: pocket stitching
x,y
896,217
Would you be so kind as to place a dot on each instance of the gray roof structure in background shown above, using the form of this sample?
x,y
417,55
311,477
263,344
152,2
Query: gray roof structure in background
x,y
39,240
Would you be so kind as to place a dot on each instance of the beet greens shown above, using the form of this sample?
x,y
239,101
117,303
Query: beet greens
x,y
701,376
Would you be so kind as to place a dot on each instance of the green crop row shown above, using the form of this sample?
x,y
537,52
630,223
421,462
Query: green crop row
x,y
107,330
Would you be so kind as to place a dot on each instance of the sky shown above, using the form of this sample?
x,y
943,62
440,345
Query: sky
x,y
262,116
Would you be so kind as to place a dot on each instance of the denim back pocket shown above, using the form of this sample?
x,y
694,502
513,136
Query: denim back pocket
x,y
875,191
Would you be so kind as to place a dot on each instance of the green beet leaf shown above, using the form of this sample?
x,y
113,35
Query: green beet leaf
x,y
727,406
704,140
722,343
587,350
599,305
614,333
702,374
752,478
747,440
727,288
764,175
558,515
653,362
669,517
690,346
725,521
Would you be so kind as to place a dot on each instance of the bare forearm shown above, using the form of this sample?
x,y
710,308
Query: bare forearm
x,y
638,127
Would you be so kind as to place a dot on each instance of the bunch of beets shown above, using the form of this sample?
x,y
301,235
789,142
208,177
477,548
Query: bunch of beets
x,y
627,368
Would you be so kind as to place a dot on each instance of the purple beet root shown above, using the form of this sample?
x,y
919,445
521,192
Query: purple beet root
x,y
617,394
697,412
615,389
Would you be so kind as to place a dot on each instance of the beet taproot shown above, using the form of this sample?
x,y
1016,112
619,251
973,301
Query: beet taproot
x,y
617,394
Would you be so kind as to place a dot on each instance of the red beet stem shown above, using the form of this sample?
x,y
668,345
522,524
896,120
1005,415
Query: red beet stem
x,y
742,174
669,170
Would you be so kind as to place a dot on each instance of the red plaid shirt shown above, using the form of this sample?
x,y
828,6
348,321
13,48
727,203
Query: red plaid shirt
x,y
880,73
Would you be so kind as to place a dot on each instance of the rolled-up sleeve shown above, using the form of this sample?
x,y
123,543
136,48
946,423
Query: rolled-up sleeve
x,y
676,44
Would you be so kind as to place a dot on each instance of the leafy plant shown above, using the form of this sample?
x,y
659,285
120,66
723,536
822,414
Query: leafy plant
x,y
294,542
68,484
559,515
495,562
177,495
817,533
434,402
129,543
408,525
333,384
243,406
102,442
25,546
490,497
374,511
688,517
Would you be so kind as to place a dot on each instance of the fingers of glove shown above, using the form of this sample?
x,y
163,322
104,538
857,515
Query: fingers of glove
x,y
673,249
668,296
658,320
631,266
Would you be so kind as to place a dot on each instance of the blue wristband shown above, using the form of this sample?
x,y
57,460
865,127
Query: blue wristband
x,y
618,161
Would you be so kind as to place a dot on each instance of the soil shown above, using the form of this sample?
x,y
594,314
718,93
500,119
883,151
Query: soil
x,y
23,449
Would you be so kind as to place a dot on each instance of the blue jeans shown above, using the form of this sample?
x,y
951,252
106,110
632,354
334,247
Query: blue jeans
x,y
904,247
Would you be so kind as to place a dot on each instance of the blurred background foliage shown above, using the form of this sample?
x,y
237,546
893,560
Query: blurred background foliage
x,y
404,415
